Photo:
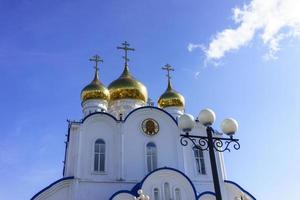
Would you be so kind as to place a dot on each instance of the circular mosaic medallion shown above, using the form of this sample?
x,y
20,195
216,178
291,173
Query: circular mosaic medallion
x,y
150,126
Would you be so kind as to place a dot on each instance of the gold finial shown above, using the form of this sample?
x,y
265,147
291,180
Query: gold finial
x,y
125,47
168,68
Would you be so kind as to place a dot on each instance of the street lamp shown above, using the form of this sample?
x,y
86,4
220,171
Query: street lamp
x,y
211,143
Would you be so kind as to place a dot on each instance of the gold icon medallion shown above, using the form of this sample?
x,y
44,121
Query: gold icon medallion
x,y
150,127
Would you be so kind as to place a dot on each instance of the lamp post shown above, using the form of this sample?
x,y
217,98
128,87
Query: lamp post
x,y
210,142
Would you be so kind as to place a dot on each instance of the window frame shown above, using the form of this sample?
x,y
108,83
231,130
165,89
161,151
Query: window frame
x,y
105,157
175,194
199,159
158,193
152,157
165,192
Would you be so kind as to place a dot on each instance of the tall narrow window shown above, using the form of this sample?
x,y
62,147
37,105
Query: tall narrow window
x,y
177,194
151,157
156,194
199,158
167,191
99,157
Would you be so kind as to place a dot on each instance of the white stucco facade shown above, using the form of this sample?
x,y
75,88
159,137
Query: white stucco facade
x,y
125,163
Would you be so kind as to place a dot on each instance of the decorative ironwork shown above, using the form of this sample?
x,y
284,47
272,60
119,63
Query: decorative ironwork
x,y
211,144
198,141
201,142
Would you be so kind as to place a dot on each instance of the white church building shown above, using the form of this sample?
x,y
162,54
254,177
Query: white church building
x,y
124,143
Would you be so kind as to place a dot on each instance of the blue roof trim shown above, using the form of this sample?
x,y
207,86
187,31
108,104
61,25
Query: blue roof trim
x,y
66,147
140,185
237,185
131,112
151,107
207,192
97,113
52,184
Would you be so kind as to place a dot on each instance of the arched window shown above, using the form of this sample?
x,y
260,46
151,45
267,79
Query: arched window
x,y
167,191
199,158
151,156
177,194
99,157
156,194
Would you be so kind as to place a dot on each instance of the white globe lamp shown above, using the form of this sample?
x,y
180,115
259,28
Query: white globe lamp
x,y
186,122
207,117
229,126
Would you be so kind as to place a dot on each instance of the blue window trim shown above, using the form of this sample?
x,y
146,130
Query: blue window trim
x,y
52,184
240,187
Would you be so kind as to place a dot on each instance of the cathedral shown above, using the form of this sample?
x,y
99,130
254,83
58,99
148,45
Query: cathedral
x,y
125,148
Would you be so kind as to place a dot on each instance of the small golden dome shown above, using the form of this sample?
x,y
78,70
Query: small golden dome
x,y
171,98
95,90
127,87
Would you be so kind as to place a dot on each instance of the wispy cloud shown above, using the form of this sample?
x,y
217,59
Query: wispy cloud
x,y
271,20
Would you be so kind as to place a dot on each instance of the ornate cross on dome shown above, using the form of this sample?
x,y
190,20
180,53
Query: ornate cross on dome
x,y
96,59
125,47
168,68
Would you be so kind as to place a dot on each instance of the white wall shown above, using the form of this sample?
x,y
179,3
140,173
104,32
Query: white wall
x,y
126,153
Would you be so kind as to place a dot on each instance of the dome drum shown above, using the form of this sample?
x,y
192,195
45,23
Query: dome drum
x,y
94,105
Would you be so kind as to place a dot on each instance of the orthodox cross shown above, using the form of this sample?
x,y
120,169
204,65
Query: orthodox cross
x,y
168,68
96,59
125,47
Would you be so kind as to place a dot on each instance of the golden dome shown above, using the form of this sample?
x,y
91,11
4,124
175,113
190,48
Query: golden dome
x,y
171,98
95,90
127,87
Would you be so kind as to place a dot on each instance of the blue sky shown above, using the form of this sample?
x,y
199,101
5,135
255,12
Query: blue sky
x,y
251,74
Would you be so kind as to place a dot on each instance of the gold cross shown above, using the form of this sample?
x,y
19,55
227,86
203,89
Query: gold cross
x,y
96,59
168,68
125,47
